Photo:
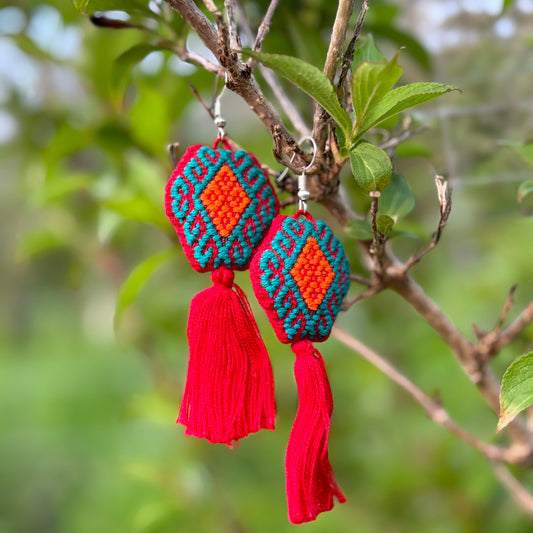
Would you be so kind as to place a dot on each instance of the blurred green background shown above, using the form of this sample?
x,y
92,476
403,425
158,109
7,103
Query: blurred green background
x,y
87,440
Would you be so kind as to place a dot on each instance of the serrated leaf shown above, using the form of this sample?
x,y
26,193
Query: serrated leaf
x,y
136,280
403,98
371,167
525,151
384,223
367,52
123,65
359,229
310,80
130,6
525,189
139,209
397,200
516,389
370,83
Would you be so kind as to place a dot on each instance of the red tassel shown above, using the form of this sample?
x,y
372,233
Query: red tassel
x,y
310,481
229,391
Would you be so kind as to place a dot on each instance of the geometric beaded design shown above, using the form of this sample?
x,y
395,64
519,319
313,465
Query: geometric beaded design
x,y
225,200
313,274
221,204
300,276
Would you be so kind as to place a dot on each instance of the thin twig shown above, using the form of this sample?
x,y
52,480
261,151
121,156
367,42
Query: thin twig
x,y
361,279
465,352
336,45
378,240
520,494
264,27
270,77
371,291
211,6
445,202
349,53
234,39
433,408
393,142
508,334
200,61
488,338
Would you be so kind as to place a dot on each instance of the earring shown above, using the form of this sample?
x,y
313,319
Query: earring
x,y
300,276
221,204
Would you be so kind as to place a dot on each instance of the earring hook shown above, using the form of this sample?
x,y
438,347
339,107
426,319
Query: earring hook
x,y
303,193
219,121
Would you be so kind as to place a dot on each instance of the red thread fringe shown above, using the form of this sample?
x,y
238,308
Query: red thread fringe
x,y
310,482
229,391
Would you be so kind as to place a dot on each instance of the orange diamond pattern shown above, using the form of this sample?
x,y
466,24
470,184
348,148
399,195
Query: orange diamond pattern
x,y
313,274
225,200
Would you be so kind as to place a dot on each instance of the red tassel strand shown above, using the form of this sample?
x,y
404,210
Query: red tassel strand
x,y
229,392
310,482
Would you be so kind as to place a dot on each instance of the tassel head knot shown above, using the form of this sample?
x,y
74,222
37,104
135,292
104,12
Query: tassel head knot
x,y
223,276
302,348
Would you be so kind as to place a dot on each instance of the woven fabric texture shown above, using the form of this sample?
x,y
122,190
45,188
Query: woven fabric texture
x,y
300,276
221,204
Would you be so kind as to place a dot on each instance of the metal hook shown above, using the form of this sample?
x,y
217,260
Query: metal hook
x,y
219,121
285,171
303,193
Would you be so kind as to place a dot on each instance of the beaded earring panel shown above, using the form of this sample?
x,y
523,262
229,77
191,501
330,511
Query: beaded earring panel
x,y
300,276
221,204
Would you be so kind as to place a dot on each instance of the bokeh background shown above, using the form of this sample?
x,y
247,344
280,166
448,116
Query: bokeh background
x,y
88,399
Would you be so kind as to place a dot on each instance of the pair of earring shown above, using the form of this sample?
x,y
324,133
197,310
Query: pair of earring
x,y
226,214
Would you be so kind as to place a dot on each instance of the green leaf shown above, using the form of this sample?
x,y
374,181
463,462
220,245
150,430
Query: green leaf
x,y
310,80
516,390
525,189
130,6
397,200
403,98
367,52
136,280
384,223
525,151
123,65
359,229
371,167
140,209
370,83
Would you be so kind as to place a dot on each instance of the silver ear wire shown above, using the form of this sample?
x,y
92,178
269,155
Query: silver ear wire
x,y
219,121
303,193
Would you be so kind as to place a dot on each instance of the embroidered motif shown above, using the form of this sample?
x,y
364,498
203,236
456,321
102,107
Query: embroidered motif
x,y
221,204
300,276
313,274
225,200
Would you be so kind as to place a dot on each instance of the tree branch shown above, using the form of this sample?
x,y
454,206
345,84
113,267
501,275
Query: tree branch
x,y
264,27
199,22
336,46
270,77
348,55
508,334
433,408
520,494
445,203
466,352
